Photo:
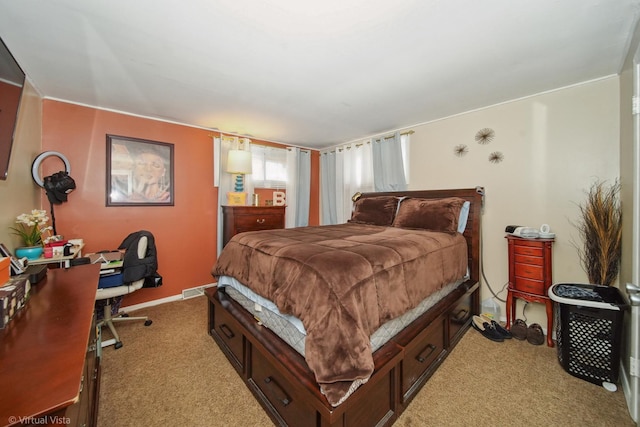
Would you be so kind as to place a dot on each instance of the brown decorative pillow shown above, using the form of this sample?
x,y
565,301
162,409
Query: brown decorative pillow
x,y
378,210
429,214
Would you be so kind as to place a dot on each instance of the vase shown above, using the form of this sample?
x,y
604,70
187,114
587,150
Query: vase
x,y
29,252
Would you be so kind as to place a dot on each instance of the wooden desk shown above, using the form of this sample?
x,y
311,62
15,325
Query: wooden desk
x,y
49,353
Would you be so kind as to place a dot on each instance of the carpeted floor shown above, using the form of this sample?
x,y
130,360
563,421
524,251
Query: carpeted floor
x,y
172,373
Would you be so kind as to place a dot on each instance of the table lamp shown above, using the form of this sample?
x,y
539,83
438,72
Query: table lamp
x,y
239,163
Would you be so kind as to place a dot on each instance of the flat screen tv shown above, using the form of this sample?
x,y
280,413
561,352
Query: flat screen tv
x,y
11,84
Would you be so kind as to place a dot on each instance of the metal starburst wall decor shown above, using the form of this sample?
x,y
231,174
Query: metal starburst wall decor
x,y
496,157
461,150
485,136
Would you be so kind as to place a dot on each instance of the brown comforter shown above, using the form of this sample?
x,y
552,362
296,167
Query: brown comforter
x,y
343,282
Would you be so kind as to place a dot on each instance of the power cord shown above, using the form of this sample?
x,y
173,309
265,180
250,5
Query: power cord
x,y
482,269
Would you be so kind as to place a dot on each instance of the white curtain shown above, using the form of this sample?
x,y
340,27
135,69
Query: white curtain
x,y
298,187
328,211
353,172
223,179
388,164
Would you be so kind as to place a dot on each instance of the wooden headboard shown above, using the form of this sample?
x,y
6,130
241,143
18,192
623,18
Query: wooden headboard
x,y
471,233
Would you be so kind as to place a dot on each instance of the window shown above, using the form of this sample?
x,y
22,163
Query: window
x,y
269,167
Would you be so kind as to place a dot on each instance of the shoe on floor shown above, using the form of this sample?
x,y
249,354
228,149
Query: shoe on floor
x,y
498,327
486,329
535,335
519,330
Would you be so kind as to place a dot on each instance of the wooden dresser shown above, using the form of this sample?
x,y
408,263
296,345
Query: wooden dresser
x,y
238,219
50,353
530,276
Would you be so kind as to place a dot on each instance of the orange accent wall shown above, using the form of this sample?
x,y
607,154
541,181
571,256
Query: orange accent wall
x,y
185,233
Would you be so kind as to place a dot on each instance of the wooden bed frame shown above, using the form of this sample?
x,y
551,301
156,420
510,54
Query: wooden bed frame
x,y
283,384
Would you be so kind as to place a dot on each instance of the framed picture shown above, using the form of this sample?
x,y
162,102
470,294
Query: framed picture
x,y
139,172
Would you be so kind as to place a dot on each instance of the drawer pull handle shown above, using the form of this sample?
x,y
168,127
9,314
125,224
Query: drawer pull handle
x,y
276,389
226,331
426,353
460,315
260,221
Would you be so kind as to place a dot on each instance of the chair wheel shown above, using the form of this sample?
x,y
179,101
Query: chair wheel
x,y
148,322
124,315
117,345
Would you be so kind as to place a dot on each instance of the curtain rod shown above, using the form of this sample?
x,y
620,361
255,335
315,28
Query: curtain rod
x,y
230,135
348,146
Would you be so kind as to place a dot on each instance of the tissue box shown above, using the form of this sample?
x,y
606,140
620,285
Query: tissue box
x,y
4,270
13,297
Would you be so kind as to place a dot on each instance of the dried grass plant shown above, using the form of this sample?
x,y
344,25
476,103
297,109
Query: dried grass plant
x,y
600,229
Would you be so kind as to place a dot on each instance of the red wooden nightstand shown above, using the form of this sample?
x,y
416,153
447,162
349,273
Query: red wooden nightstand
x,y
530,276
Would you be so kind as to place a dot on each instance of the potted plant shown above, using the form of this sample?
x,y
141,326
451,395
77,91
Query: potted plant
x,y
600,229
31,227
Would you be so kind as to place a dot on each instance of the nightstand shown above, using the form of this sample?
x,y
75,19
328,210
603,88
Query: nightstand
x,y
530,276
238,219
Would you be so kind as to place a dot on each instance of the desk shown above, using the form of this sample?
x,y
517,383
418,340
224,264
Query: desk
x,y
62,261
50,353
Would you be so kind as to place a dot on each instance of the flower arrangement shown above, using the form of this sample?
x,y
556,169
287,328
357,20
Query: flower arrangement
x,y
33,228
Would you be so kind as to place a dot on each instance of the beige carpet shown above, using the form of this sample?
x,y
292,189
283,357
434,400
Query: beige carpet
x,y
172,373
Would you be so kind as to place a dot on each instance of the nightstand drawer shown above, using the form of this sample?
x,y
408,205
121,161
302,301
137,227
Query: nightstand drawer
x,y
530,286
527,259
527,250
529,271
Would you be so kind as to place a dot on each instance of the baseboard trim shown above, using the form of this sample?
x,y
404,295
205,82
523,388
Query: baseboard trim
x,y
627,388
164,300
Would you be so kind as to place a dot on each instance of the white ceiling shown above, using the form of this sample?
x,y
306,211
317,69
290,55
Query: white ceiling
x,y
312,74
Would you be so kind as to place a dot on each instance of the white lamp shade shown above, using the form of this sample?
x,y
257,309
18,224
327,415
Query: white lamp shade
x,y
239,161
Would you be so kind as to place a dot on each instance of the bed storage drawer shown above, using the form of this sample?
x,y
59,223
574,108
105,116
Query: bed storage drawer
x,y
278,395
420,356
225,331
459,316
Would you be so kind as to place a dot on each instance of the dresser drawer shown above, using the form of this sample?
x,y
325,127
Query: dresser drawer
x,y
257,222
420,356
528,271
530,286
239,219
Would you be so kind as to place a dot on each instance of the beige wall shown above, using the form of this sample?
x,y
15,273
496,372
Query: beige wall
x,y
554,145
19,194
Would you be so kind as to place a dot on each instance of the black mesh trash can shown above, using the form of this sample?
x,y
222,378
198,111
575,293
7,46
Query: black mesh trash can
x,y
589,322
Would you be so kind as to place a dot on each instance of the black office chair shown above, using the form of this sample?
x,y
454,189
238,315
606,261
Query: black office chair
x,y
139,262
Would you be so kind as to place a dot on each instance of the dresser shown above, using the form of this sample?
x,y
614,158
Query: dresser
x,y
238,219
530,276
50,353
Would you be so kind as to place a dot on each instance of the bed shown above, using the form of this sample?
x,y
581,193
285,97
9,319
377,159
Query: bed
x,y
379,301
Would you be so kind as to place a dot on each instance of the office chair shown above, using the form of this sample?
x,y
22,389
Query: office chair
x,y
111,295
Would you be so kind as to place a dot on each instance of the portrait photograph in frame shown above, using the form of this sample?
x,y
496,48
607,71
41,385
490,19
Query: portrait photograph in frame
x,y
139,172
